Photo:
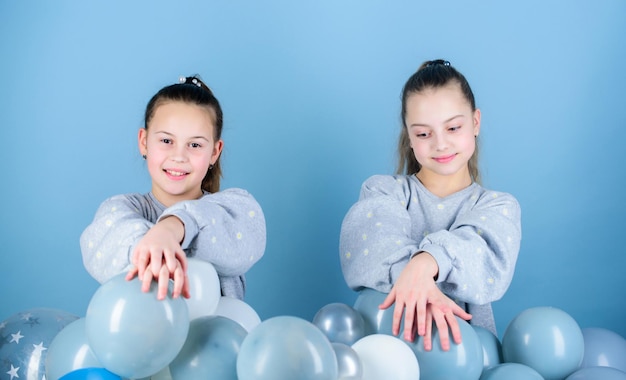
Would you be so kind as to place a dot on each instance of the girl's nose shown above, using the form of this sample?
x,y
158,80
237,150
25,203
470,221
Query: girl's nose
x,y
441,142
179,154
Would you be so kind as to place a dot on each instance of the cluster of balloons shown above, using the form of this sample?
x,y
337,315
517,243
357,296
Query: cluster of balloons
x,y
127,334
540,343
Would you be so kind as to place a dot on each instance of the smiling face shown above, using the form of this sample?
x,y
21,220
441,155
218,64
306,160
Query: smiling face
x,y
442,131
179,145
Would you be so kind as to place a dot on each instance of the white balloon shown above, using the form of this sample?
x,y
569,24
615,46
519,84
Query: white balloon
x,y
204,286
238,311
386,357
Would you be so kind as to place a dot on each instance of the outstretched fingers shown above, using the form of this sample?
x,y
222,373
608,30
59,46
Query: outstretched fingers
x,y
141,261
444,318
428,333
423,317
454,327
441,321
453,322
132,272
179,279
146,280
409,322
163,282
389,300
181,282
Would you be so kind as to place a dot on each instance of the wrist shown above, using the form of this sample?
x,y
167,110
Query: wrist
x,y
427,263
175,225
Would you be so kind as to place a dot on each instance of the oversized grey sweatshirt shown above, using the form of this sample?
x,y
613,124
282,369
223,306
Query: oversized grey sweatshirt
x,y
226,229
474,235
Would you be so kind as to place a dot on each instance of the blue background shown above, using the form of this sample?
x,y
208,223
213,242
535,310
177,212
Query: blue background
x,y
310,91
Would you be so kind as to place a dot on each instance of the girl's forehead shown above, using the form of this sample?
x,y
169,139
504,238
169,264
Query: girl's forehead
x,y
182,118
180,108
451,92
433,100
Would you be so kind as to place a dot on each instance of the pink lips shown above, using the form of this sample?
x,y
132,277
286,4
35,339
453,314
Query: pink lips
x,y
175,175
444,159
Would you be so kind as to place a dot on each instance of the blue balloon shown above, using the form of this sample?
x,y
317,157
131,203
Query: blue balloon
x,y
492,347
510,371
462,361
377,321
546,339
597,373
603,348
286,348
341,323
349,364
70,351
90,374
132,333
25,339
210,351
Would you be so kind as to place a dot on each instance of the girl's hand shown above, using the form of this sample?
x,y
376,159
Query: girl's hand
x,y
417,296
159,256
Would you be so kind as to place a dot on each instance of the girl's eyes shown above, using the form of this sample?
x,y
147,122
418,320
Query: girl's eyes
x,y
424,135
191,145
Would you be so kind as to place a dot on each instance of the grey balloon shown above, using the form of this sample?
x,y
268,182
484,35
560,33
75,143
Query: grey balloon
x,y
340,323
348,362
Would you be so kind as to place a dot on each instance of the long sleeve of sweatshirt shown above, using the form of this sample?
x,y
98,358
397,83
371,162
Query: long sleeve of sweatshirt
x,y
226,228
474,235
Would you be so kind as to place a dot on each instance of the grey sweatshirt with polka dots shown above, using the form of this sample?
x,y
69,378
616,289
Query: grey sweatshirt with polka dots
x,y
226,228
474,235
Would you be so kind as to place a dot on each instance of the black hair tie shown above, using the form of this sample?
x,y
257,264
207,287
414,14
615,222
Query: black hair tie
x,y
438,62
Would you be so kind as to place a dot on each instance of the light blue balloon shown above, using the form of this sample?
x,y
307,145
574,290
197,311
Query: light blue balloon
x,y
510,371
462,361
492,347
546,339
349,364
377,321
70,351
603,348
597,373
210,351
132,333
163,374
90,374
286,348
340,323
26,337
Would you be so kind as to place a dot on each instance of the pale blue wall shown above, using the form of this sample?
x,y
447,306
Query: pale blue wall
x,y
310,91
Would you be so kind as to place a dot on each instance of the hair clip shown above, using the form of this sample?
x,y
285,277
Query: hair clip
x,y
438,62
185,80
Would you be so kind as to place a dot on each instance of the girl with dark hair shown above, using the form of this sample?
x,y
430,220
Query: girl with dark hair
x,y
185,214
431,236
